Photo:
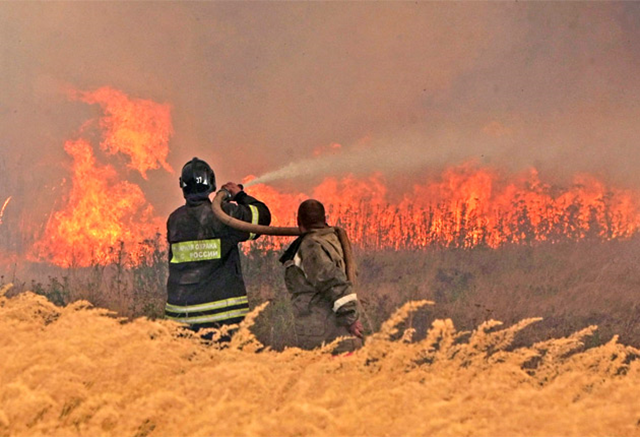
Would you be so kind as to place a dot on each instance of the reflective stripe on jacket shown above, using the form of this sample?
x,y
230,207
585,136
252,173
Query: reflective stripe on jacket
x,y
211,312
205,286
324,303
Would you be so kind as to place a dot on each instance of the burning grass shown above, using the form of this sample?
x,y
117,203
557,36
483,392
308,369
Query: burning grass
x,y
461,206
80,370
467,206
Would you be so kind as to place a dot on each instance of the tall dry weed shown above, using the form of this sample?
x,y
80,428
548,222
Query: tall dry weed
x,y
80,370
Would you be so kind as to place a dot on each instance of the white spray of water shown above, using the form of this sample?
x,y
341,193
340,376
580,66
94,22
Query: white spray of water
x,y
394,156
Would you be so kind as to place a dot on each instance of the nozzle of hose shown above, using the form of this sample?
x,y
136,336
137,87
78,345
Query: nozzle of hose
x,y
227,194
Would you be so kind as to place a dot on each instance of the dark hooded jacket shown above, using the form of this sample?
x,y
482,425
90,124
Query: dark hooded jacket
x,y
205,286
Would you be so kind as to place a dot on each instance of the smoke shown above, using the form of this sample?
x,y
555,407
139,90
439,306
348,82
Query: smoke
x,y
391,156
253,86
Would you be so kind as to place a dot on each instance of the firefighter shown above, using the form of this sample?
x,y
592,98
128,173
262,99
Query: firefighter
x,y
205,286
323,300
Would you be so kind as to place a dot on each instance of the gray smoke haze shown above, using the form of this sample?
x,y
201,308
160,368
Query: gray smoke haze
x,y
257,86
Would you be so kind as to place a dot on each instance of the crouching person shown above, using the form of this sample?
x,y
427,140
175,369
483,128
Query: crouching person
x,y
324,302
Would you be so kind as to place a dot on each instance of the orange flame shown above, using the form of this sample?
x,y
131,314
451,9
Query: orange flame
x,y
138,128
466,207
106,219
102,213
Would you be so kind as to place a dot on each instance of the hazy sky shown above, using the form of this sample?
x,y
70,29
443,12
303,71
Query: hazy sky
x,y
255,86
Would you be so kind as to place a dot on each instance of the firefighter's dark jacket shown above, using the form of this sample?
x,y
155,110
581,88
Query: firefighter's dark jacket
x,y
205,286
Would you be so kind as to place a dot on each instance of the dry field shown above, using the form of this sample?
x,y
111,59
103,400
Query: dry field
x,y
570,285
78,370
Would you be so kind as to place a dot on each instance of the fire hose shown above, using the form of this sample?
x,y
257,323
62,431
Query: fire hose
x,y
350,266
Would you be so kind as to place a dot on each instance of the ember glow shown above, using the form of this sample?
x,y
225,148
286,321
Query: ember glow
x,y
106,219
468,206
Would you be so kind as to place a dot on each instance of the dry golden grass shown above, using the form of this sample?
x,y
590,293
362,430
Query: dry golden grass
x,y
78,370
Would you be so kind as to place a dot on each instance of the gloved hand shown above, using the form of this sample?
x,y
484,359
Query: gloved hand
x,y
356,329
232,188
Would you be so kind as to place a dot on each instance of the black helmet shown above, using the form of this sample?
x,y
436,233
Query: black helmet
x,y
197,178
